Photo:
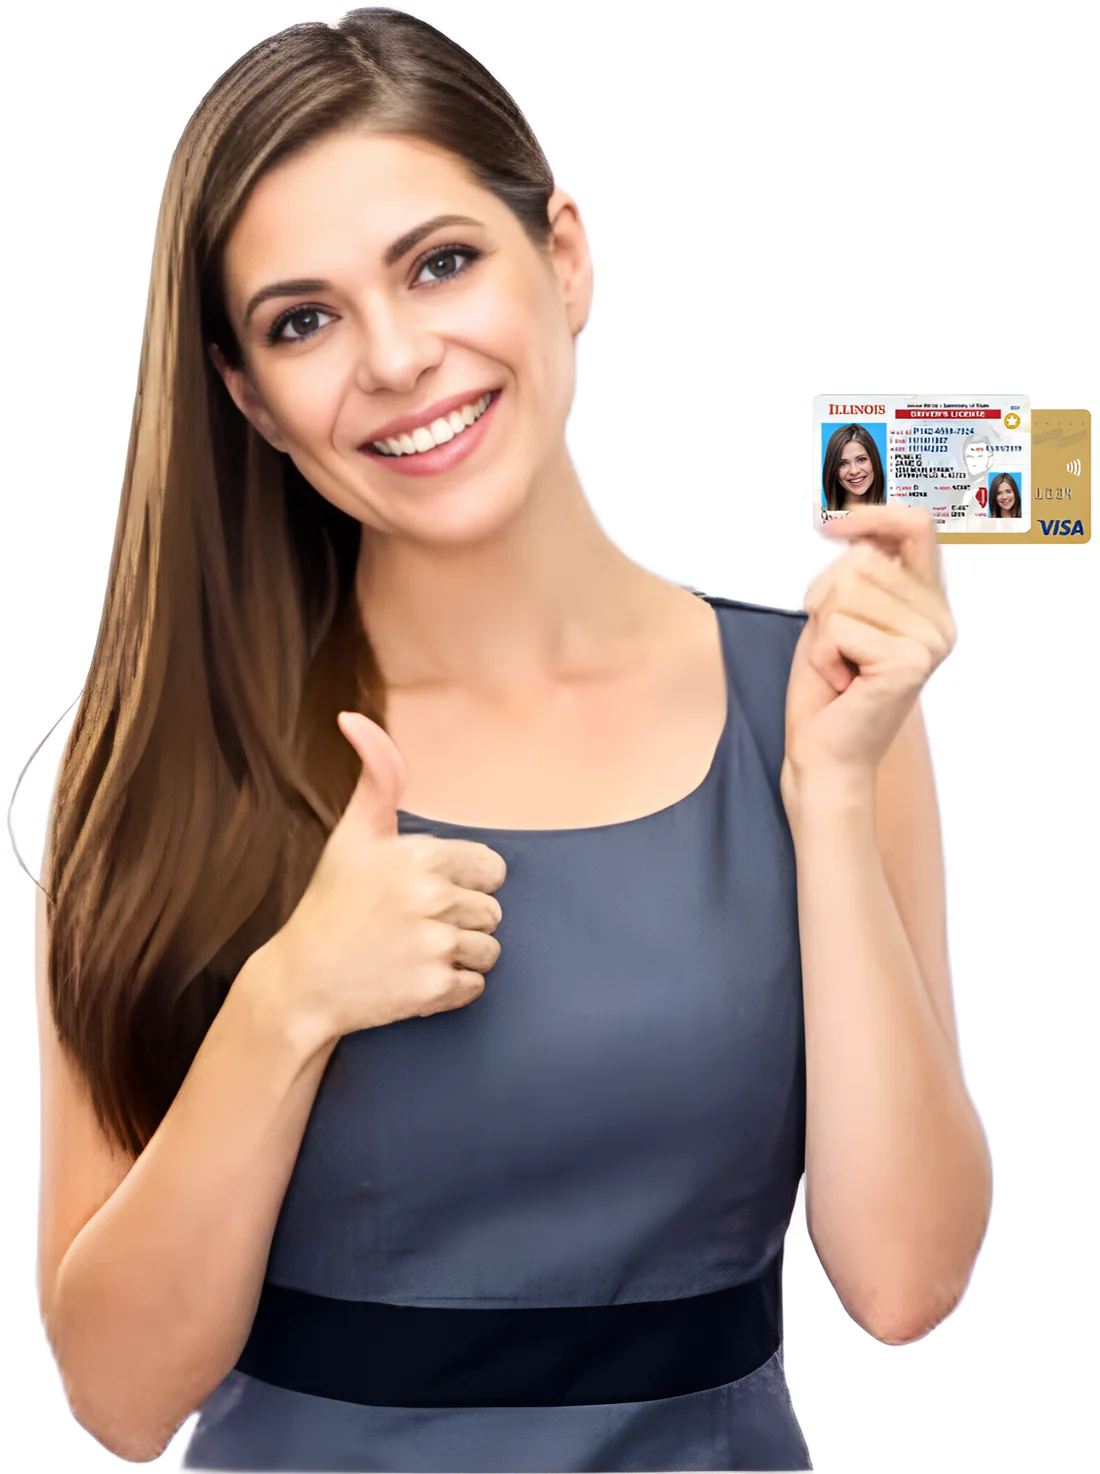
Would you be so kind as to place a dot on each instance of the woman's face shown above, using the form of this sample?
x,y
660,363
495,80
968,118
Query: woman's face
x,y
855,472
354,311
1006,497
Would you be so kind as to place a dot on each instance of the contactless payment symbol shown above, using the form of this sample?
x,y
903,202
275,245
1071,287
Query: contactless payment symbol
x,y
1012,422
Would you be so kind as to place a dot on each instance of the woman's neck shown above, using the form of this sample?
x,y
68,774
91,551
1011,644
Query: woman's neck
x,y
535,595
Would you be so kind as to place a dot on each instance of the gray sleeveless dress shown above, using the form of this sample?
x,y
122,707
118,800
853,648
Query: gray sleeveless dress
x,y
545,1231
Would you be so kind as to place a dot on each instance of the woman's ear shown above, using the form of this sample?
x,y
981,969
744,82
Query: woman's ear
x,y
571,258
246,399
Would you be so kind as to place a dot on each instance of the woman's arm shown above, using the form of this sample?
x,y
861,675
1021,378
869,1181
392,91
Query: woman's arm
x,y
150,1304
898,1178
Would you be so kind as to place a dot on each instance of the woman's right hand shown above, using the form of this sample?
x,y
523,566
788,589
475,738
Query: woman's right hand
x,y
390,926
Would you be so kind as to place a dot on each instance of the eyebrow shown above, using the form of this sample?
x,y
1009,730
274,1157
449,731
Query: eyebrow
x,y
392,254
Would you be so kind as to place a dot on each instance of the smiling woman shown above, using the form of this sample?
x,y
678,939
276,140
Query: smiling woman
x,y
852,471
388,1140
351,361
1004,496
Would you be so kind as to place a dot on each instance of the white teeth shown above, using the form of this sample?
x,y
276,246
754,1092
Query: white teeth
x,y
426,437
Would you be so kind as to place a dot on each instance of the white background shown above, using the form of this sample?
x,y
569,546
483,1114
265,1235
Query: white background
x,y
753,181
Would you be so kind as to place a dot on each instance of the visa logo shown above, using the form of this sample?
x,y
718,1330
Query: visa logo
x,y
1061,529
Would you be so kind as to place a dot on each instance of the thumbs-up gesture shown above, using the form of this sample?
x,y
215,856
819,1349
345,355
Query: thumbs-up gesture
x,y
391,925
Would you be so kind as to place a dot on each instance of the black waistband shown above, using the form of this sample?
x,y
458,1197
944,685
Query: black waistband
x,y
419,1356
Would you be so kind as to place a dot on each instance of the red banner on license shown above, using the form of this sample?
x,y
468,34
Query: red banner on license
x,y
947,414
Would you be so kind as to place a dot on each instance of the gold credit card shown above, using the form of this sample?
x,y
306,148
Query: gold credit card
x,y
1061,480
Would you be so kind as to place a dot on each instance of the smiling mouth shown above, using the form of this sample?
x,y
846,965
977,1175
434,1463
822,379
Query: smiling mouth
x,y
438,432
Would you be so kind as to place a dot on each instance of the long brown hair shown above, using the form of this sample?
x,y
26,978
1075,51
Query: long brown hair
x,y
995,508
835,495
205,770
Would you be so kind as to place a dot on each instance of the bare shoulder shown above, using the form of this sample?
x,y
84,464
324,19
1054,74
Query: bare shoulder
x,y
80,1166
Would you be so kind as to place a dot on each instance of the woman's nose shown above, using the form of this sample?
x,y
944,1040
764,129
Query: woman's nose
x,y
393,349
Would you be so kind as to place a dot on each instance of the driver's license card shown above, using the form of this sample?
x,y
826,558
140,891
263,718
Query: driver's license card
x,y
966,458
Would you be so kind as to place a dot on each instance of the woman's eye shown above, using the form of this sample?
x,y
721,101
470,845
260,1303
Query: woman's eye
x,y
442,264
304,317
445,258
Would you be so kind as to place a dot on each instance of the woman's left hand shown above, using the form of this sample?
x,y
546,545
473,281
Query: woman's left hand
x,y
879,626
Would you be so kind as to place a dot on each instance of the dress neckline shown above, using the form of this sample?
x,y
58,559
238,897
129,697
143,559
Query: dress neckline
x,y
457,830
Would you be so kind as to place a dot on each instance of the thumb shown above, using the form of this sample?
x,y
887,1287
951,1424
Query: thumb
x,y
375,797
